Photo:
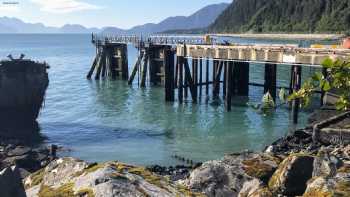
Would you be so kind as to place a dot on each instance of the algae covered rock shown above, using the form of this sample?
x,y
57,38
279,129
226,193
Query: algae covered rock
x,y
261,166
325,165
227,177
292,175
322,187
71,177
255,188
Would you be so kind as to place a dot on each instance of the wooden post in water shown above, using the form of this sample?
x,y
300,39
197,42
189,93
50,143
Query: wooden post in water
x,y
106,58
100,65
296,86
291,84
323,93
185,80
180,79
225,78
124,61
215,65
169,74
207,78
190,82
144,70
152,65
235,76
200,76
243,78
91,71
270,80
136,68
195,75
217,79
229,83
176,72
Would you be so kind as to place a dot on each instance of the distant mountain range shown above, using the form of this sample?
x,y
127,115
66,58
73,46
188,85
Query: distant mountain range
x,y
14,25
201,19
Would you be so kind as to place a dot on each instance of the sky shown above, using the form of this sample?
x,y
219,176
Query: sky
x,y
100,13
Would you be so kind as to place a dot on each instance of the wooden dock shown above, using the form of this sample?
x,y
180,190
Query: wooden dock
x,y
183,64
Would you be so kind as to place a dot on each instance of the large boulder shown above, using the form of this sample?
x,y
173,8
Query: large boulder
x,y
227,177
72,177
325,165
11,183
324,187
255,188
292,175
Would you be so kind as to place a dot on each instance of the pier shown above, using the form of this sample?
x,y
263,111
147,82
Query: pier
x,y
183,65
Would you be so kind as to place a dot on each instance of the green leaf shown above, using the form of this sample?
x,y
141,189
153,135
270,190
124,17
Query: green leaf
x,y
328,63
318,76
325,85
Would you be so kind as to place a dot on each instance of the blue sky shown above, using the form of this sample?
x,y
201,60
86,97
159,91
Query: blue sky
x,y
99,13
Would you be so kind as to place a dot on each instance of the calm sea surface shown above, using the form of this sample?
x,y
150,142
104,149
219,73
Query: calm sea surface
x,y
109,120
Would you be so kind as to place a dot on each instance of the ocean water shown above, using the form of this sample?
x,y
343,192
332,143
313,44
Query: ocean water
x,y
109,120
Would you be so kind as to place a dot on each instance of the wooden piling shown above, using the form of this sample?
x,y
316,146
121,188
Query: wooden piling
x,y
180,79
270,80
124,61
92,69
135,69
190,82
296,86
106,62
200,76
100,65
144,70
207,78
215,65
217,79
323,93
195,75
169,74
242,69
229,83
176,72
225,78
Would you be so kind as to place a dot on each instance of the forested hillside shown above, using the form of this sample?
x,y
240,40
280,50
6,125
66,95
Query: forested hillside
x,y
301,16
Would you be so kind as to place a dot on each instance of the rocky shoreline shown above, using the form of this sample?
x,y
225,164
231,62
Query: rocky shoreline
x,y
295,165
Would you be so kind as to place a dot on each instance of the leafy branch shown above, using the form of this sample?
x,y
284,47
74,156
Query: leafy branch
x,y
335,79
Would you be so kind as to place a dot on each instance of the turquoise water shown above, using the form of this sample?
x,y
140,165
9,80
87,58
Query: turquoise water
x,y
109,120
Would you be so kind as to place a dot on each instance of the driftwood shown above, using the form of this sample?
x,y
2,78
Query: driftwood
x,y
327,135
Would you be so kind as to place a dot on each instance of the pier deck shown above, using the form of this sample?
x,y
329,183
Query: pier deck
x,y
164,60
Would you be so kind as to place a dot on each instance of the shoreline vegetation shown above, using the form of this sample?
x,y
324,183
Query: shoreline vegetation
x,y
282,36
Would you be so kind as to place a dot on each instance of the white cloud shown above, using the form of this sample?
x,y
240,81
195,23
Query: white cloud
x,y
64,6
9,8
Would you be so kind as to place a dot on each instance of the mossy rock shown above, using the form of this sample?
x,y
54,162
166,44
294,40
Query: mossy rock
x,y
85,192
318,193
263,192
292,174
344,169
342,189
90,169
261,167
188,193
36,178
65,190
321,187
